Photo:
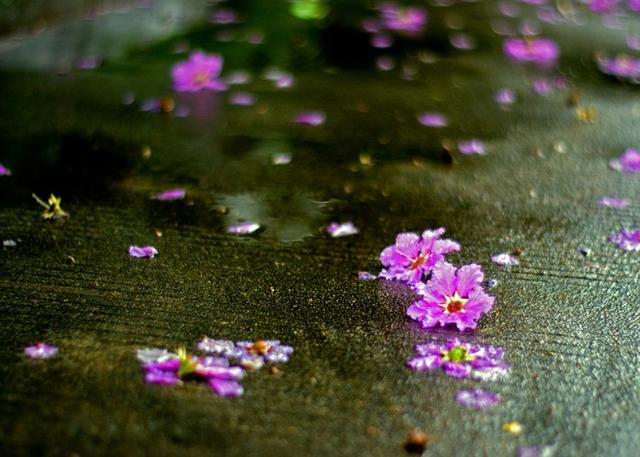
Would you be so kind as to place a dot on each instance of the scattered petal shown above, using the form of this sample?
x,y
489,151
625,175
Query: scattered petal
x,y
478,399
535,451
172,194
613,202
628,162
336,230
142,252
627,240
366,276
311,118
505,260
246,228
537,50
41,351
4,171
281,159
470,147
505,97
226,388
9,243
242,99
432,119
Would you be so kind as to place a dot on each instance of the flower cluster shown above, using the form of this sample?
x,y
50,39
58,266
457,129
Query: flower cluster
x,y
221,364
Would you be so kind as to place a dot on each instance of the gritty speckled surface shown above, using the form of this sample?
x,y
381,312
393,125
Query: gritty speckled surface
x,y
568,322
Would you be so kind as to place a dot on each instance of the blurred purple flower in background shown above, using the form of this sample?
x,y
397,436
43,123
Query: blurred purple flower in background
x,y
627,240
200,72
41,351
172,194
312,118
537,50
409,20
478,399
628,162
471,147
142,252
432,119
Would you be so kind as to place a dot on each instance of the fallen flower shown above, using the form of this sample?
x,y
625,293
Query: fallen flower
x,y
602,6
537,50
200,72
242,99
505,97
52,208
414,255
451,296
460,360
41,351
629,161
172,194
253,355
613,202
311,118
478,399
505,260
140,252
226,387
621,66
366,276
432,119
627,240
4,171
246,228
470,147
409,20
336,230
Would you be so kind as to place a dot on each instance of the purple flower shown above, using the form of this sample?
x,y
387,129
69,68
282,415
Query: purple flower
x,y
541,86
414,255
634,5
224,16
366,276
381,41
536,50
254,354
41,351
336,230
613,202
409,20
460,360
432,119
226,387
603,6
505,259
628,162
172,194
505,97
478,399
470,147
4,171
312,118
217,367
200,72
452,296
242,99
216,347
621,66
145,251
246,228
627,240
161,377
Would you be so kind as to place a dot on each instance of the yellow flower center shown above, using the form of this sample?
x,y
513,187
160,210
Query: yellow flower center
x,y
419,261
454,304
200,77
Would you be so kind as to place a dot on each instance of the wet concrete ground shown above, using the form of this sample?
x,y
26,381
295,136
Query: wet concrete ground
x,y
568,322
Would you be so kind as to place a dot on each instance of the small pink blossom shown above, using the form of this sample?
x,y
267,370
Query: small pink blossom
x,y
432,119
471,147
4,171
627,240
172,194
142,252
613,202
505,260
536,50
505,97
41,351
336,230
311,118
413,255
628,162
603,6
200,72
452,296
407,20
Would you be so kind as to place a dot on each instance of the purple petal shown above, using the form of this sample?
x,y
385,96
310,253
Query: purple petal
x,y
217,347
457,370
172,194
535,451
366,276
246,228
628,162
226,388
4,171
311,118
613,202
41,351
161,377
432,119
471,147
425,363
142,252
627,240
478,399
336,230
505,260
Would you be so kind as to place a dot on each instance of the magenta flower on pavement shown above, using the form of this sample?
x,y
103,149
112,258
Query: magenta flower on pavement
x,y
409,20
537,50
172,194
628,162
336,230
245,228
451,296
613,202
627,240
478,399
200,72
4,171
505,259
621,66
311,118
471,147
432,119
413,255
142,252
460,360
41,351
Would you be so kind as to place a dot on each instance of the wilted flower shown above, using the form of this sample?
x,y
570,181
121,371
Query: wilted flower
x,y
140,252
460,360
627,240
537,50
52,208
41,351
200,72
414,255
629,161
452,296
